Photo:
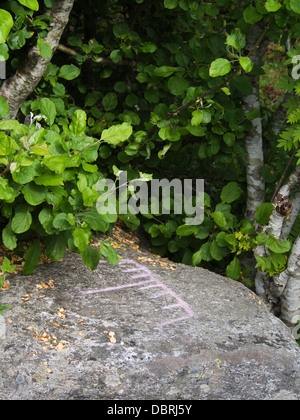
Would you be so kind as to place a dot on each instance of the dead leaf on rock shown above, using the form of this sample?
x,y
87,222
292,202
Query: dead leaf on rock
x,y
26,297
61,313
111,337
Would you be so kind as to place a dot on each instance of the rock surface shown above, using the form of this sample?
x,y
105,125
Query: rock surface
x,y
146,329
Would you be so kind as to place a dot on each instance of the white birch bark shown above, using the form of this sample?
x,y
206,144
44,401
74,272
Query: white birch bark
x,y
254,139
289,223
272,290
290,300
255,158
17,88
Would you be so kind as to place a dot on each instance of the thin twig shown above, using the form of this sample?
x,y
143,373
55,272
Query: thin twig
x,y
99,60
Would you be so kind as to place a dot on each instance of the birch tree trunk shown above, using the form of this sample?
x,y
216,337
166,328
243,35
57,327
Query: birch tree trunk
x,y
282,292
290,300
17,88
256,47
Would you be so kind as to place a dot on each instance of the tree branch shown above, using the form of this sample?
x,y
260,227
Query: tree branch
x,y
99,60
16,89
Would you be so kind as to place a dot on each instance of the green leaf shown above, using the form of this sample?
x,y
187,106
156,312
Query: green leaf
x,y
121,29
295,6
196,131
197,118
220,220
89,196
117,134
131,221
279,247
251,15
63,221
91,257
230,192
95,221
172,134
229,139
109,253
177,85
6,23
165,71
273,5
32,258
31,4
4,108
9,238
78,124
246,64
186,230
109,217
219,67
56,246
9,125
233,270
81,238
46,219
236,39
206,255
48,109
44,48
247,227
202,254
230,239
49,180
197,258
69,72
49,3
34,194
56,163
6,266
40,149
262,239
6,145
4,52
110,101
221,239
203,233
93,97
263,213
173,246
22,220
253,113
116,56
148,47
216,251
6,192
170,4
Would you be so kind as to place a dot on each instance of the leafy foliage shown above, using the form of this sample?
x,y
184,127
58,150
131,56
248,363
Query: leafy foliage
x,y
139,86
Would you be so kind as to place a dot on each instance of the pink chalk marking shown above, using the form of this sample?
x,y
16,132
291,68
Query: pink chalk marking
x,y
149,287
140,276
159,295
144,272
111,289
176,305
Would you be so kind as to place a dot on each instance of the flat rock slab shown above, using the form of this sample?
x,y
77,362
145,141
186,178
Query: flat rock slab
x,y
146,329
